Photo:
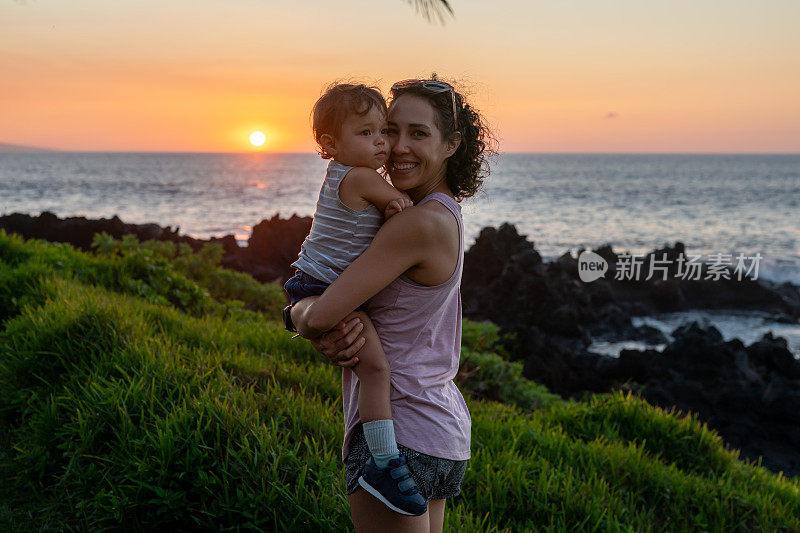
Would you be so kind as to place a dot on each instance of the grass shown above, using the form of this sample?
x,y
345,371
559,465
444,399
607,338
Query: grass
x,y
137,391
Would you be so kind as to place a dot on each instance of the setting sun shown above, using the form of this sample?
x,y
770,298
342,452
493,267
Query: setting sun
x,y
257,138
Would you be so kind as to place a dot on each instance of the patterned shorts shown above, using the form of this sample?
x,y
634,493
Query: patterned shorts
x,y
302,285
436,478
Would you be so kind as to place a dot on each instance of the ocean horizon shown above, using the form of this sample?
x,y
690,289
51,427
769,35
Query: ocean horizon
x,y
713,203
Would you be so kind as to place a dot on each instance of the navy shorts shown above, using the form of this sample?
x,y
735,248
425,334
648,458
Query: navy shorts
x,y
301,285
437,478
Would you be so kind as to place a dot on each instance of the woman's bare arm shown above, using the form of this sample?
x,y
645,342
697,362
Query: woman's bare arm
x,y
400,244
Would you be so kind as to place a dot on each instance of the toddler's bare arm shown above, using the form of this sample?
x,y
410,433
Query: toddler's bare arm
x,y
370,187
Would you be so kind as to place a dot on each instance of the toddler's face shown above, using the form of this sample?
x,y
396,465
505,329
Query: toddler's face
x,y
363,141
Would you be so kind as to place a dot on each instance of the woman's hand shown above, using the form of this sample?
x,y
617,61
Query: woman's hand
x,y
341,343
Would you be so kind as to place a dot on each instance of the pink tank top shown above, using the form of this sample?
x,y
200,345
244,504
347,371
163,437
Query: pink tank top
x,y
420,331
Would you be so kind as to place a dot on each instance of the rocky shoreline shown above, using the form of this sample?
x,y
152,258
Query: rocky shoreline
x,y
272,246
749,394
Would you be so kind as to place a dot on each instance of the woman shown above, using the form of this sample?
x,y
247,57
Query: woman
x,y
411,275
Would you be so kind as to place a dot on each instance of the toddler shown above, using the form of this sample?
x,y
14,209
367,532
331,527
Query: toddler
x,y
349,123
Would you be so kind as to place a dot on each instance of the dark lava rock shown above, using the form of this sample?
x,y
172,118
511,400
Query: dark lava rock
x,y
505,281
80,231
750,395
272,247
734,389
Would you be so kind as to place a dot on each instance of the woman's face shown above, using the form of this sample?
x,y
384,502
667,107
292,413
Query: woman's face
x,y
418,159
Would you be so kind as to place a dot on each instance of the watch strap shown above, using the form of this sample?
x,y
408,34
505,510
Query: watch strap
x,y
287,319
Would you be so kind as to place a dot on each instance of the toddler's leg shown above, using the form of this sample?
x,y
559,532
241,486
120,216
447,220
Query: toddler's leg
x,y
373,372
374,406
387,477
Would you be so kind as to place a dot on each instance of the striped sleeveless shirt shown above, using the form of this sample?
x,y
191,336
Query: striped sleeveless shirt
x,y
420,330
339,234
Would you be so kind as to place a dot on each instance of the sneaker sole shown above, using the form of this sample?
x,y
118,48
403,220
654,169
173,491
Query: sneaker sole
x,y
369,488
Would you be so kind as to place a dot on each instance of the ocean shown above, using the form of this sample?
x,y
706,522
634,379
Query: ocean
x,y
713,203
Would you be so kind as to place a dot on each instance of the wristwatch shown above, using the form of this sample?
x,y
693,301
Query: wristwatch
x,y
287,319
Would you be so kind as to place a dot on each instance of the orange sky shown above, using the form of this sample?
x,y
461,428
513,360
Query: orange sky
x,y
570,76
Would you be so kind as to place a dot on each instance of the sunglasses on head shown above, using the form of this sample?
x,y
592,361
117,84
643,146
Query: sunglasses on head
x,y
435,86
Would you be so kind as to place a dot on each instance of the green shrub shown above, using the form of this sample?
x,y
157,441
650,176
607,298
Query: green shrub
x,y
485,337
489,377
20,287
127,412
268,298
13,249
160,269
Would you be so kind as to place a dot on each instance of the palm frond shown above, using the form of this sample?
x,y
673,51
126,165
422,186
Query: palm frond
x,y
431,9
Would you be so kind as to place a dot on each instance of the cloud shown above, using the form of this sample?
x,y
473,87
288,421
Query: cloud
x,y
612,114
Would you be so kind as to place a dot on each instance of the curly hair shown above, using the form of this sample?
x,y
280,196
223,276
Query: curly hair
x,y
337,102
468,167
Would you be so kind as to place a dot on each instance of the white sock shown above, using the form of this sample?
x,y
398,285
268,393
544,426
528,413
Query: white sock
x,y
379,435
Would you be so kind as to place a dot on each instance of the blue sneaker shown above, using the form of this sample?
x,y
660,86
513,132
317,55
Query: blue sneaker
x,y
394,486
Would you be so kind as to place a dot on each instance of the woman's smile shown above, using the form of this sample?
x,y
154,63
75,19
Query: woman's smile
x,y
404,166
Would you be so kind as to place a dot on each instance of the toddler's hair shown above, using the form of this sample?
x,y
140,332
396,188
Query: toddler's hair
x,y
338,101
